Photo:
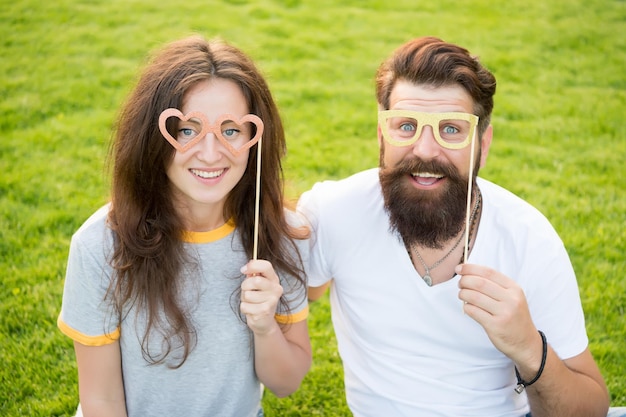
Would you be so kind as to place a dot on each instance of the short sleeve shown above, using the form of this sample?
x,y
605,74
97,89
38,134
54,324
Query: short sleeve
x,y
295,291
85,315
309,207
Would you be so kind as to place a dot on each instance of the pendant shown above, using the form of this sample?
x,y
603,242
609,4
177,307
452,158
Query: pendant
x,y
428,280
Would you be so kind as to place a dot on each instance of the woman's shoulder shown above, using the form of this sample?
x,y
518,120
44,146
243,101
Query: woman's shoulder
x,y
96,225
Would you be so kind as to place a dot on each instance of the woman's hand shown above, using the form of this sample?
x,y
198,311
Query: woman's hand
x,y
260,293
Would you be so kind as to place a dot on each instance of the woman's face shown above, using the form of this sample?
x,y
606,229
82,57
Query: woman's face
x,y
204,175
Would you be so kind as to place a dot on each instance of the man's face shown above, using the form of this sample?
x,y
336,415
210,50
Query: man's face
x,y
425,184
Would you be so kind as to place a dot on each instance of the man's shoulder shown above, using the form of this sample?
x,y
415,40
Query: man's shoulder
x,y
500,197
337,199
506,208
361,183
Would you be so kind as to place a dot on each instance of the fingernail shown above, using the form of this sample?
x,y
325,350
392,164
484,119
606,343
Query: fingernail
x,y
244,269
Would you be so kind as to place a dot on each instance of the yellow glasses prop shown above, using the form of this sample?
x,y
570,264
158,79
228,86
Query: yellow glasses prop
x,y
451,130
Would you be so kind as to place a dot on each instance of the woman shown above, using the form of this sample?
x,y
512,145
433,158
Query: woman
x,y
168,313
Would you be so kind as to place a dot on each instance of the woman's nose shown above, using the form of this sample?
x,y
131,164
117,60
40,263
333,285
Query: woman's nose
x,y
210,147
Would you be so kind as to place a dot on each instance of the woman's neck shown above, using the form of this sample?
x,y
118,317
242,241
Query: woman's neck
x,y
202,218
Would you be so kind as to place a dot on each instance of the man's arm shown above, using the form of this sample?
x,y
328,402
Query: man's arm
x,y
316,292
572,387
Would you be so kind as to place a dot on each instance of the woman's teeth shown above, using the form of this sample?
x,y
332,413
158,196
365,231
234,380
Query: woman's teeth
x,y
207,174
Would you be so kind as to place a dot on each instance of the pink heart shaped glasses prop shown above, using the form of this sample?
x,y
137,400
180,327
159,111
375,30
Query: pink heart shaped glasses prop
x,y
206,127
216,129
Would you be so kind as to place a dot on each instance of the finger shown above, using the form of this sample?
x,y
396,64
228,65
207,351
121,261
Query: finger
x,y
262,285
480,315
475,288
483,292
257,304
259,297
508,305
258,289
256,283
480,300
485,272
259,321
260,267
256,311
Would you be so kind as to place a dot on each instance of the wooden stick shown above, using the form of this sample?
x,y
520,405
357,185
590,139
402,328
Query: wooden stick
x,y
257,200
469,197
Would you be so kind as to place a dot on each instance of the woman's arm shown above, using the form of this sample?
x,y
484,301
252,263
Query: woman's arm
x,y
282,359
100,383
282,355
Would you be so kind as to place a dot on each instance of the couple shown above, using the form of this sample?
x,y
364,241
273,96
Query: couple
x,y
182,301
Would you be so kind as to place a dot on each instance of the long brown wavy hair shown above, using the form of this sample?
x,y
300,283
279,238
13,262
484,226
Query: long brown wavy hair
x,y
148,252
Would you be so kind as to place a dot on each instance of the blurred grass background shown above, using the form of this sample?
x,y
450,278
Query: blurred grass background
x,y
66,66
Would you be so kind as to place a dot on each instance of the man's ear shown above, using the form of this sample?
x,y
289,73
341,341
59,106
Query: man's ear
x,y
485,144
379,132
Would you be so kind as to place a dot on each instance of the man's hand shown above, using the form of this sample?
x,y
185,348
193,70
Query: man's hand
x,y
499,305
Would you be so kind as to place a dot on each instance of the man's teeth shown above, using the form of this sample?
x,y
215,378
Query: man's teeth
x,y
207,174
426,175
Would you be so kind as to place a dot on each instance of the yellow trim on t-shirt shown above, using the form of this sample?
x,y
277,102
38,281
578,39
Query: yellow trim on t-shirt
x,y
87,340
293,318
210,236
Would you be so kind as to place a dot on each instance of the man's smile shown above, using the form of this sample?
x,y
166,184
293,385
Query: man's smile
x,y
426,178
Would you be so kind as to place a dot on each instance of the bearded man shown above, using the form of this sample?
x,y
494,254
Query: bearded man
x,y
450,296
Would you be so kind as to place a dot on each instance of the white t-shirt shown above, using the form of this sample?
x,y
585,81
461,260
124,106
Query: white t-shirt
x,y
407,348
218,377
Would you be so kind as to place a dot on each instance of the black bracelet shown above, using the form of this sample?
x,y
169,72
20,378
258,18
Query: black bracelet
x,y
521,384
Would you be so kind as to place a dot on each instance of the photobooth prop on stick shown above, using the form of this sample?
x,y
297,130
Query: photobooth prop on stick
x,y
236,134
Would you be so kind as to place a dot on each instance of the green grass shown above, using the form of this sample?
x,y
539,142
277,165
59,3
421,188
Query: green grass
x,y
67,65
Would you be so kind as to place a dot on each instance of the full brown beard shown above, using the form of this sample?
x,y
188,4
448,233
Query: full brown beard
x,y
424,217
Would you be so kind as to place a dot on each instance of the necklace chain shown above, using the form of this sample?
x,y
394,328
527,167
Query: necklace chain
x,y
427,278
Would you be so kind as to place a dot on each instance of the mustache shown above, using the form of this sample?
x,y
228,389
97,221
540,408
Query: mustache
x,y
416,164
424,217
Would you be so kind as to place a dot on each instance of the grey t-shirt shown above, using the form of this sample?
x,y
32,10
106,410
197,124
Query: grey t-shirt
x,y
218,377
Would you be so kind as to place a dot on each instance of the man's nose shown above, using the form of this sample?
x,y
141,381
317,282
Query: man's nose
x,y
426,146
